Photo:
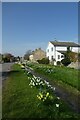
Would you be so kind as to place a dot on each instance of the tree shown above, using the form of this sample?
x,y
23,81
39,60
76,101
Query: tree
x,y
43,61
28,53
73,56
66,61
0,57
7,57
79,57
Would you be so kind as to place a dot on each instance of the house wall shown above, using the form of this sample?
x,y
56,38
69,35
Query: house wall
x,y
61,48
31,57
76,49
37,55
55,52
58,54
50,52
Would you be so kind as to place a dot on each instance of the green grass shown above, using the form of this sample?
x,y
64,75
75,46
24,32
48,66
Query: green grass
x,y
66,75
67,79
20,100
0,102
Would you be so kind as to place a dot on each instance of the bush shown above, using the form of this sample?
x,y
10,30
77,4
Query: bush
x,y
6,59
66,61
58,63
79,57
43,61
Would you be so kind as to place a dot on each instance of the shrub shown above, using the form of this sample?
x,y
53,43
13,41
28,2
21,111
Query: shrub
x,y
5,59
79,57
58,63
66,61
43,61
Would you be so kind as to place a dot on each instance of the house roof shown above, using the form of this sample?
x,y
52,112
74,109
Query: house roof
x,y
71,44
37,50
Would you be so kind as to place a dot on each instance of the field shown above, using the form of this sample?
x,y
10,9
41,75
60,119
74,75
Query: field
x,y
23,99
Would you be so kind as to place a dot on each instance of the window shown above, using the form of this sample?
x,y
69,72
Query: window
x,y
58,56
52,57
62,56
52,49
48,50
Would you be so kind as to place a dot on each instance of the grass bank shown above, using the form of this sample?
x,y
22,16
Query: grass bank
x,y
65,79
59,74
20,100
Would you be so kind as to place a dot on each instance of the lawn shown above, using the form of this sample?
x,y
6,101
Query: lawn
x,y
20,99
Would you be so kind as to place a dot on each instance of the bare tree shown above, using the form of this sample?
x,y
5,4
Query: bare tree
x,y
27,54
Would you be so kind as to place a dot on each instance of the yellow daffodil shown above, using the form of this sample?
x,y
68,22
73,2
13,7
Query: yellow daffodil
x,y
57,105
47,94
41,95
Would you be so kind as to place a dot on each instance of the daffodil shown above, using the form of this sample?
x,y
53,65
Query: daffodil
x,y
41,95
47,94
57,105
45,98
54,88
58,98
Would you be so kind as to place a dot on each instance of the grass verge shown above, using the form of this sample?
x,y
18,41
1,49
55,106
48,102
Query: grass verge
x,y
20,100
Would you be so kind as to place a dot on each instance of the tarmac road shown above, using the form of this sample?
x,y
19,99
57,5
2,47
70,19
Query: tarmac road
x,y
4,69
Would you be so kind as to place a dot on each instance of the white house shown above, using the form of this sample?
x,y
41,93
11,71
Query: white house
x,y
55,50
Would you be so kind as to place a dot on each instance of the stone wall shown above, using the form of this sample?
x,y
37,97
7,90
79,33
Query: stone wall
x,y
38,54
75,65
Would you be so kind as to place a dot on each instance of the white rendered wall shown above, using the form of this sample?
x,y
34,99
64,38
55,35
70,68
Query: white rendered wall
x,y
58,53
61,48
76,49
55,52
50,53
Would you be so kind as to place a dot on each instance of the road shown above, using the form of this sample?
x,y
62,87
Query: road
x,y
4,69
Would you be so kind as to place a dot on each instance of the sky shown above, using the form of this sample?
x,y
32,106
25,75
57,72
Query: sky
x,y
31,25
0,27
